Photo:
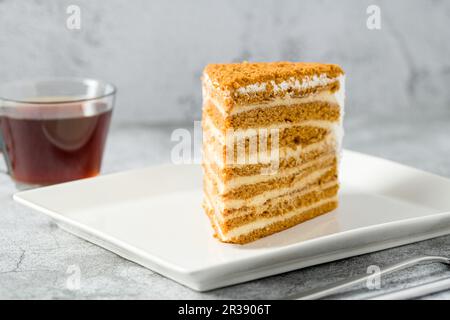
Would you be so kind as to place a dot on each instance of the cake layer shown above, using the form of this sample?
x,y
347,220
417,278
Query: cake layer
x,y
230,173
213,134
288,168
264,181
273,207
260,149
279,183
281,111
271,204
288,158
322,95
246,146
276,206
226,204
244,83
267,226
294,203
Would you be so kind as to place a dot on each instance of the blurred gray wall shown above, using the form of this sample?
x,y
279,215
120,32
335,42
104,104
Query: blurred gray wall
x,y
154,51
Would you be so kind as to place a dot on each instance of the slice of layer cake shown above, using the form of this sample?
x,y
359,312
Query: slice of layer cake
x,y
271,140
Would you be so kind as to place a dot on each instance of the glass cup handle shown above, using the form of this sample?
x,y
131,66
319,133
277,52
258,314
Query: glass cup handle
x,y
5,156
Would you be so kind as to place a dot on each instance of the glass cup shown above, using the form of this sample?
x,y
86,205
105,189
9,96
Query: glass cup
x,y
54,130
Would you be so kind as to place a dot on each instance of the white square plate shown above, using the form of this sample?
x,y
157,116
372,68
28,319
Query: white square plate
x,y
153,217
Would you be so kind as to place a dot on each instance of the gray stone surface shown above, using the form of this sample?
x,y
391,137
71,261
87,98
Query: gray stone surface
x,y
35,254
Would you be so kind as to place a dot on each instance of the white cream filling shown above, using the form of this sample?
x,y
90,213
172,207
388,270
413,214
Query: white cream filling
x,y
292,83
303,84
257,178
264,222
263,197
332,139
234,135
214,218
287,197
252,88
323,96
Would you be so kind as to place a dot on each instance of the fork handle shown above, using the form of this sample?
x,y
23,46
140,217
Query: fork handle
x,y
337,287
417,291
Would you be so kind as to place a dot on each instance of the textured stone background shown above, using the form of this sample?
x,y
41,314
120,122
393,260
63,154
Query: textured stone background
x,y
398,107
155,50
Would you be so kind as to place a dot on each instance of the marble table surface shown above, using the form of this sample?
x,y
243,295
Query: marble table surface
x,y
37,259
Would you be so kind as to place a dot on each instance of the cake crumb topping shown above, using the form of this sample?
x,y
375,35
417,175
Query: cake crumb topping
x,y
232,76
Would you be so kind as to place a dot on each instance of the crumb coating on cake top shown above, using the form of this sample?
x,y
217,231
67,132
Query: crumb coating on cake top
x,y
231,76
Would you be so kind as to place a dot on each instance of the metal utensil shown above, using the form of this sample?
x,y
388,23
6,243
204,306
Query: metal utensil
x,y
417,291
337,287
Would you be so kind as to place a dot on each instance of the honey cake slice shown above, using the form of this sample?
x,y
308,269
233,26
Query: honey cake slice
x,y
272,135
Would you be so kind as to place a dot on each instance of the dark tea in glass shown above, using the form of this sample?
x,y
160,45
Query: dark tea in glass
x,y
57,138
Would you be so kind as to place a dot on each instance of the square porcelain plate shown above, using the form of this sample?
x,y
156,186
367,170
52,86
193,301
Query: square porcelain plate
x,y
153,217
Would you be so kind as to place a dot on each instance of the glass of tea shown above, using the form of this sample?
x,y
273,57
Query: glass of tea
x,y
54,130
